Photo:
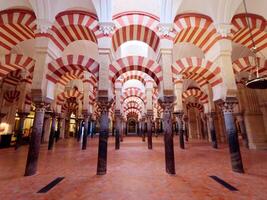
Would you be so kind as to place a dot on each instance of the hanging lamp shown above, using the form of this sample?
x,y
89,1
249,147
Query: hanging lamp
x,y
260,82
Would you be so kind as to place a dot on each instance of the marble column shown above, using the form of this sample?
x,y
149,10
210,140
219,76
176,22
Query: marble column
x,y
59,122
67,127
181,128
35,141
143,130
185,127
80,128
22,117
122,129
117,128
149,128
167,105
211,125
103,137
236,159
86,116
242,127
52,132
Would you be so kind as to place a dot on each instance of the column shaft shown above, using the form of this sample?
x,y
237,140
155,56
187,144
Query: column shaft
x,y
52,132
34,148
103,139
85,132
22,117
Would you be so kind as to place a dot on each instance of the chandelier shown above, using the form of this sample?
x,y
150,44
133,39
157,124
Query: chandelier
x,y
260,82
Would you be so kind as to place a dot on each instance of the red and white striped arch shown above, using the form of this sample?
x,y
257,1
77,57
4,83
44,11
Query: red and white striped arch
x,y
11,96
16,25
197,93
198,106
241,33
74,25
63,65
132,104
133,93
134,99
76,74
135,32
70,106
62,97
137,63
247,64
136,26
131,111
13,78
199,70
134,75
14,62
196,29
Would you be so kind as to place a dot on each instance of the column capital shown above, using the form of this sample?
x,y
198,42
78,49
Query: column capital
x,y
106,28
228,105
223,29
41,106
165,29
166,101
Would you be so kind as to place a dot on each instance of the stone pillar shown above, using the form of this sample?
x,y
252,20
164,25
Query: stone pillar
x,y
118,125
149,128
211,126
185,127
34,148
46,127
86,116
236,159
59,127
122,129
104,105
181,128
22,117
242,127
167,104
80,126
52,132
67,127
143,130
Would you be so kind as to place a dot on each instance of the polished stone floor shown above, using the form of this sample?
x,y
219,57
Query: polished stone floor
x,y
134,172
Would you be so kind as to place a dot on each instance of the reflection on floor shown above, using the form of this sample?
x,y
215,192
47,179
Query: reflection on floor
x,y
134,172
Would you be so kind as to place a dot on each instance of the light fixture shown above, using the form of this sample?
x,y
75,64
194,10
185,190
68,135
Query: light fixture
x,y
260,82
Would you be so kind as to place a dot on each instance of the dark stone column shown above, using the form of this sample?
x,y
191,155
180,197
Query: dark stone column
x,y
181,128
93,128
86,116
149,128
241,123
122,129
104,105
236,159
67,127
167,104
80,128
143,130
22,117
213,137
59,120
185,127
46,118
52,132
35,141
117,128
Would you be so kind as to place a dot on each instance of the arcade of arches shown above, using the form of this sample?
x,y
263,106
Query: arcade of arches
x,y
164,72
